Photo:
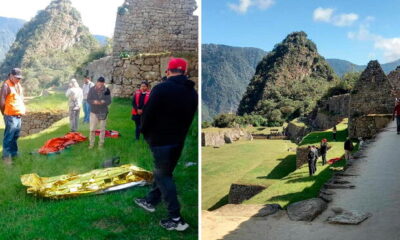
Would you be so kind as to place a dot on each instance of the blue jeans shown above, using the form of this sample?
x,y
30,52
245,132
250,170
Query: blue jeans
x,y
165,160
86,110
137,119
11,135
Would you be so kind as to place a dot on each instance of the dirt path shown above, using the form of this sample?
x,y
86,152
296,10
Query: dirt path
x,y
377,191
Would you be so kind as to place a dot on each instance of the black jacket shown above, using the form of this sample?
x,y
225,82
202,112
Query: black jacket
x,y
101,95
169,112
323,148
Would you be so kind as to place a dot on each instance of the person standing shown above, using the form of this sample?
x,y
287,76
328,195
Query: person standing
x,y
348,147
140,99
324,150
87,85
312,158
165,122
99,98
334,130
396,114
75,98
13,108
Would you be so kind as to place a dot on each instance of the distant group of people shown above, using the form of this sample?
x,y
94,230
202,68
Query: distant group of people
x,y
163,116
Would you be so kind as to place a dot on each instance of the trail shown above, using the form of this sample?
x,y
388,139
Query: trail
x,y
377,192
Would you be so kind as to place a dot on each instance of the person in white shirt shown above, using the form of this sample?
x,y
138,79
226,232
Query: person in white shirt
x,y
75,98
87,85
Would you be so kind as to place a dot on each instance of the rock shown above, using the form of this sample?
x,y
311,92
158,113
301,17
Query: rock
x,y
326,198
241,192
326,192
337,210
228,139
306,210
349,217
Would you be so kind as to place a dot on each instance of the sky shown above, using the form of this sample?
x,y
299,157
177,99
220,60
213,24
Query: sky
x,y
98,15
357,31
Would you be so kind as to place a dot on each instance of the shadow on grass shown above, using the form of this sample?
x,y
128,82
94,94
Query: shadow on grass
x,y
284,168
223,201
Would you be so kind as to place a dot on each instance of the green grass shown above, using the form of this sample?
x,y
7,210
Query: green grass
x,y
55,102
267,163
243,162
110,216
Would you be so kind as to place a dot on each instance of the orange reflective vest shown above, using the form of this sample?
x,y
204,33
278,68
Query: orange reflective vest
x,y
137,99
14,105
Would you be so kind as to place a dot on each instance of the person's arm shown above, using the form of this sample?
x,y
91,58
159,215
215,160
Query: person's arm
x,y
107,95
150,110
5,90
134,104
90,97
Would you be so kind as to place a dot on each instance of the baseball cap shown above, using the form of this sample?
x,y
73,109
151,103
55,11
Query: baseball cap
x,y
16,72
177,63
101,79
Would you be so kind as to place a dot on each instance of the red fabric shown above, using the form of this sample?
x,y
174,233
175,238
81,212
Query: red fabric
x,y
397,110
177,63
109,133
137,99
333,160
58,144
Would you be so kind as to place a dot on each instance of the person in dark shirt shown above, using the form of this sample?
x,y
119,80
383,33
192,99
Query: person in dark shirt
x,y
312,159
140,98
166,120
396,114
323,150
348,147
334,130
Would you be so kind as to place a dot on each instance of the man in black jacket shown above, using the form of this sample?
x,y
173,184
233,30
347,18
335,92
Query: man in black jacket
x,y
348,148
166,120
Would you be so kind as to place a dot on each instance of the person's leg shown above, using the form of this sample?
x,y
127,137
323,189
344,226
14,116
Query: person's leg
x,y
9,132
323,159
102,132
77,113
14,143
315,164
71,119
310,168
154,196
165,160
85,111
398,123
93,124
137,122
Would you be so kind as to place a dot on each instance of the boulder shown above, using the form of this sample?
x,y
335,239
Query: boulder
x,y
306,210
348,217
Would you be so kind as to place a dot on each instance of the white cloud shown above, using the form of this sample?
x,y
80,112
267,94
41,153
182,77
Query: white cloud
x,y
327,15
389,46
323,14
244,5
345,19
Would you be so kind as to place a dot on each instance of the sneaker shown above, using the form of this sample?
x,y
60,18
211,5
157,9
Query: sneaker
x,y
171,224
141,202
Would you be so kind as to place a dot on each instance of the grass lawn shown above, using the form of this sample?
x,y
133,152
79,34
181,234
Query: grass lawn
x,y
267,163
54,102
259,162
110,216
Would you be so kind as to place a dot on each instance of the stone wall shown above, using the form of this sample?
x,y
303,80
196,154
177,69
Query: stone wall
x,y
38,121
325,120
224,136
369,125
371,97
296,132
129,73
330,111
100,68
153,26
241,192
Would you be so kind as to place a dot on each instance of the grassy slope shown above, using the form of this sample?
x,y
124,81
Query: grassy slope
x,y
243,162
53,103
298,185
267,163
111,216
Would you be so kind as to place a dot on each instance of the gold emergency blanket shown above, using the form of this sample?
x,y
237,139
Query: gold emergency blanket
x,y
96,181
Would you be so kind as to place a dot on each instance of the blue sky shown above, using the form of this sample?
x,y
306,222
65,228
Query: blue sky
x,y
353,30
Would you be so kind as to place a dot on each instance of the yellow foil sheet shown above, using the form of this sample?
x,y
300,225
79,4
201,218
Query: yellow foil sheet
x,y
72,185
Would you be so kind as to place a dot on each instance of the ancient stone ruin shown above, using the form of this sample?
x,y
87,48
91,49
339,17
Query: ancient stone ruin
x,y
331,111
371,97
223,136
35,122
147,34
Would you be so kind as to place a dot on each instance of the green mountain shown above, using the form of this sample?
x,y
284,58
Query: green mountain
x,y
342,66
288,81
51,47
226,71
8,30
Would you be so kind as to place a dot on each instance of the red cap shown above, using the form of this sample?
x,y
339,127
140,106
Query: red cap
x,y
324,140
177,63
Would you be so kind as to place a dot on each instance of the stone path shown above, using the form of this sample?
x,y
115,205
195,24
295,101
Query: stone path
x,y
377,191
